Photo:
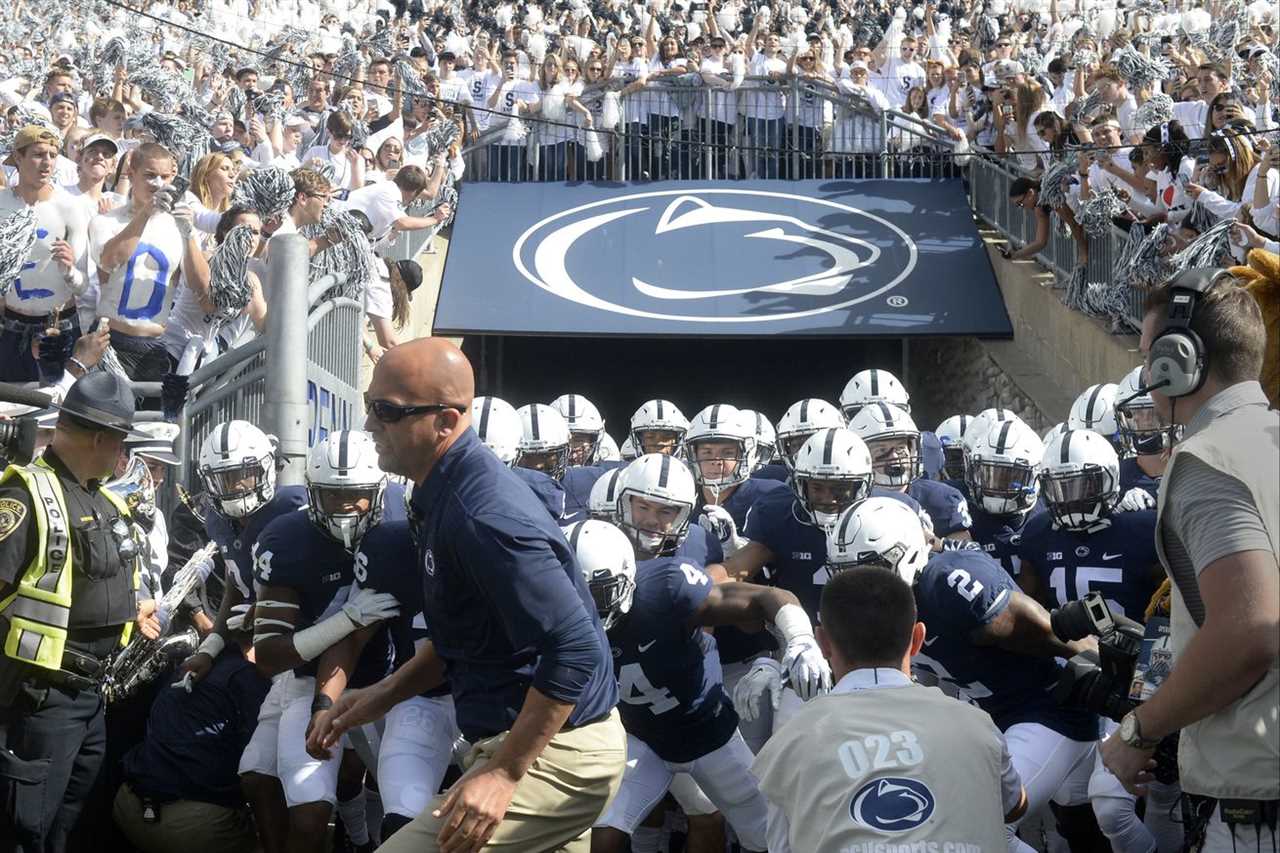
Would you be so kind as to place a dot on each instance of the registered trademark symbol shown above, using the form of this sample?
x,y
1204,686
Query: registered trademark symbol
x,y
897,301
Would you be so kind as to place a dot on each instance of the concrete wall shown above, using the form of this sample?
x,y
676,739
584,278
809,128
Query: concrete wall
x,y
1055,354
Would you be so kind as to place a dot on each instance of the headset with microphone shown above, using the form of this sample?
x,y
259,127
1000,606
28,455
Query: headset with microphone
x,y
1177,358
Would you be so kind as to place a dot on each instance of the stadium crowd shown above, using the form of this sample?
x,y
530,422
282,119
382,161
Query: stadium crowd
x,y
153,150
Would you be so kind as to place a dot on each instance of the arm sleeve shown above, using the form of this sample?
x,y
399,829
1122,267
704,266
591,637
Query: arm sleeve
x,y
971,579
529,588
17,533
1213,514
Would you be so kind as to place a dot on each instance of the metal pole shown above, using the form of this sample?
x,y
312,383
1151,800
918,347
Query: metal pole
x,y
285,411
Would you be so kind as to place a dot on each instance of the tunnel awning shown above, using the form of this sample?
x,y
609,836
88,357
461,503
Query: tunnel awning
x,y
808,258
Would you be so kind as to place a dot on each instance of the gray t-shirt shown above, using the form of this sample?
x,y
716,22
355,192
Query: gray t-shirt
x,y
1208,515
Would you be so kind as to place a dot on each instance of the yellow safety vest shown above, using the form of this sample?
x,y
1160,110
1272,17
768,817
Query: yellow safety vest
x,y
39,610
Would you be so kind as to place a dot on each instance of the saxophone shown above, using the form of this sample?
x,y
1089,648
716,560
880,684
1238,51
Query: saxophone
x,y
144,659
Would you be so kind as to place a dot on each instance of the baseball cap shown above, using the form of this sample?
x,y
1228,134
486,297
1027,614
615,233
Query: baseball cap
x,y
103,399
296,120
96,138
33,133
858,63
154,440
62,98
410,274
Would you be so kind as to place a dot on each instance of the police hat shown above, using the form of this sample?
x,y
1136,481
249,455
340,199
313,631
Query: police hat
x,y
102,399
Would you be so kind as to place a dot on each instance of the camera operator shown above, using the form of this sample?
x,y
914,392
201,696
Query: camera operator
x,y
1218,537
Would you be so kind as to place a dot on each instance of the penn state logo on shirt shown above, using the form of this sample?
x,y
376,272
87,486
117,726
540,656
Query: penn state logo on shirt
x,y
1082,550
429,563
892,804
801,256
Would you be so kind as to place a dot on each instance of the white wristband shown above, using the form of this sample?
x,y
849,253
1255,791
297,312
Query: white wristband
x,y
792,623
311,642
212,645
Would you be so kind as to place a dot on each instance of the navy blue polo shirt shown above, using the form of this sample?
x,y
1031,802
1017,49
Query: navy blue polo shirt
x,y
502,592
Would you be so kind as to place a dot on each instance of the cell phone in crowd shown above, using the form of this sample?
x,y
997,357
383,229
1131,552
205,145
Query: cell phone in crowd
x,y
180,185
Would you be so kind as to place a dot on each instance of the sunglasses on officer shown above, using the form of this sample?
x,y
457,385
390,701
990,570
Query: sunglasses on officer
x,y
389,413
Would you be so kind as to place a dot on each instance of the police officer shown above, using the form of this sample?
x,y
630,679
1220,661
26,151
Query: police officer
x,y
69,574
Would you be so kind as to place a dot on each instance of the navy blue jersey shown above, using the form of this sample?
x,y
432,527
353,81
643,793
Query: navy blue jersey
x,y
577,483
294,553
386,562
1119,561
671,691
772,471
742,498
998,535
1133,477
959,592
735,644
236,537
546,488
931,456
946,507
700,547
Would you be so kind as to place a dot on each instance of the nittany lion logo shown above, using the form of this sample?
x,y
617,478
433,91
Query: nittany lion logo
x,y
802,256
892,804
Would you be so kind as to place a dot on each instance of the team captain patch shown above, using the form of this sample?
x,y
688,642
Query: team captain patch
x,y
11,514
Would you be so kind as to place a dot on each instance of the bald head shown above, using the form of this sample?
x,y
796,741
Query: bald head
x,y
428,370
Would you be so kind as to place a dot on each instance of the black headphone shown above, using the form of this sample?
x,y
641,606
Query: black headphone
x,y
1177,356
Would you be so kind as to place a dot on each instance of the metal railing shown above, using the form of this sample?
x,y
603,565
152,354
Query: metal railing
x,y
298,381
681,128
989,182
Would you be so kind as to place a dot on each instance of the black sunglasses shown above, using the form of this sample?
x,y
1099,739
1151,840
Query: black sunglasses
x,y
389,413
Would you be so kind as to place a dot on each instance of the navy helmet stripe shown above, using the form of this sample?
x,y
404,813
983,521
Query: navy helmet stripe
x,y
572,408
1003,436
804,412
483,430
715,415
875,382
1089,418
885,414
344,445
1066,446
533,422
828,446
659,413
573,537
665,472
844,526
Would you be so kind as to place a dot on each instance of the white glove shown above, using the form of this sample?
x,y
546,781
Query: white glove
x,y
366,606
1136,499
765,676
182,217
235,622
808,670
717,521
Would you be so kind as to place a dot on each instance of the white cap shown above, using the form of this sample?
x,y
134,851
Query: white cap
x,y
94,138
858,63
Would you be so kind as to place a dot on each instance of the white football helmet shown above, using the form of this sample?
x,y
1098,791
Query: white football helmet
x,y
627,451
544,440
893,440
586,427
345,486
803,419
1140,426
880,532
497,424
1080,475
873,386
725,425
1095,409
982,422
766,438
1056,429
655,503
602,504
238,467
1004,468
607,451
950,435
608,563
663,418
832,472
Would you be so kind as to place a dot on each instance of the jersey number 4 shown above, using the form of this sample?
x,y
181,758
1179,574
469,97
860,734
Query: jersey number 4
x,y
637,690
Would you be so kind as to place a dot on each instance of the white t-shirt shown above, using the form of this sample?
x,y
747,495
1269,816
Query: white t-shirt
x,y
381,202
480,86
377,295
765,103
341,165
40,287
897,78
1170,196
141,290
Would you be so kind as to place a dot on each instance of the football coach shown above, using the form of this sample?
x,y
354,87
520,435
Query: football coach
x,y
512,624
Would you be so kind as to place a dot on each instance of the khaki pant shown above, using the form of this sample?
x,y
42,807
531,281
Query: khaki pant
x,y
186,825
565,791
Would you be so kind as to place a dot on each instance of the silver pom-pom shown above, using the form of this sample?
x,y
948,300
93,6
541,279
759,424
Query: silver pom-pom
x,y
268,191
350,260
1210,249
1058,179
186,140
1140,71
1099,209
1144,263
1157,109
17,236
228,274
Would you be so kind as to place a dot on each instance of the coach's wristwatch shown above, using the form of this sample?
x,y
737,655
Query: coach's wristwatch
x,y
1131,733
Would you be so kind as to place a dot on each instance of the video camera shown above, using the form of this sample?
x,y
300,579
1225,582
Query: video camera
x,y
1100,682
18,440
